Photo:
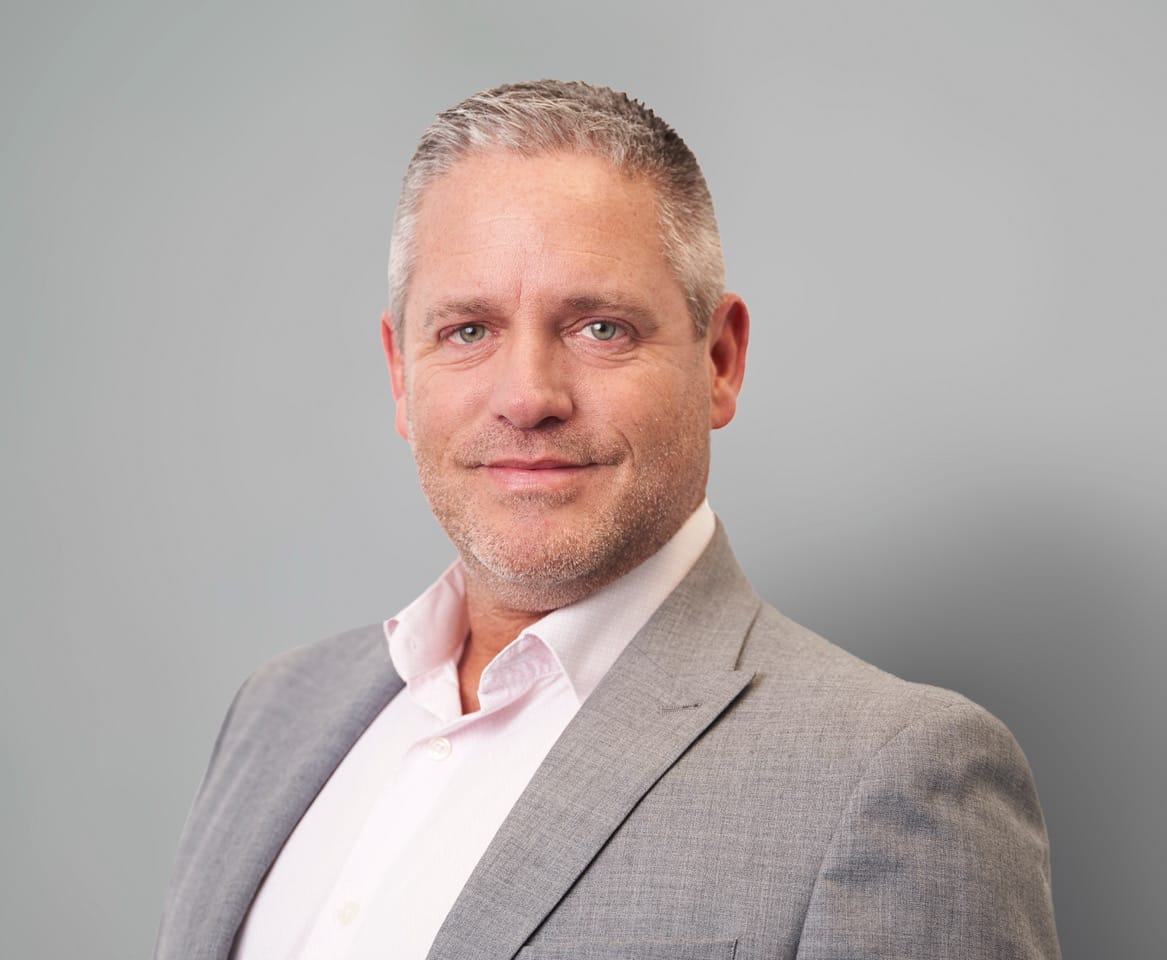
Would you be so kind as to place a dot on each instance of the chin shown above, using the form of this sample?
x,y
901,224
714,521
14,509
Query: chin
x,y
542,565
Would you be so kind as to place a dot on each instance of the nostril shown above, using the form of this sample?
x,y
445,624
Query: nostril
x,y
532,396
529,409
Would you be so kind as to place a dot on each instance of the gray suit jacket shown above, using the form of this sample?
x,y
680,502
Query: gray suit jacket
x,y
736,787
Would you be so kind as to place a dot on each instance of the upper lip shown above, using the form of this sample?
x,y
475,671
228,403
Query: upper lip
x,y
537,463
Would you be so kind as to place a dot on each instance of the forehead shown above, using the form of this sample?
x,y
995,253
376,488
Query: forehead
x,y
501,225
502,178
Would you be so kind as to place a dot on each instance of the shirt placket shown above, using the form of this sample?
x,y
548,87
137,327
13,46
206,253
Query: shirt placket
x,y
429,767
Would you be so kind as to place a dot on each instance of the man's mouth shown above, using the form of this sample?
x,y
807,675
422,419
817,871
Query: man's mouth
x,y
533,475
540,463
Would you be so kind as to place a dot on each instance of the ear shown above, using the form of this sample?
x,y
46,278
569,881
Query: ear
x,y
395,357
728,336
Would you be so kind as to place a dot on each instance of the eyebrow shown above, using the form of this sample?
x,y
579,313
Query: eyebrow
x,y
629,309
474,308
447,310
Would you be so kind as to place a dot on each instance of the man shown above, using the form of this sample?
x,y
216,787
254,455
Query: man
x,y
590,738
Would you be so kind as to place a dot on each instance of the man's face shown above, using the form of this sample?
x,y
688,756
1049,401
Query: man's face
x,y
551,384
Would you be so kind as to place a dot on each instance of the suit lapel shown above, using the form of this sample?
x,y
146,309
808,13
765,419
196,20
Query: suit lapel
x,y
672,681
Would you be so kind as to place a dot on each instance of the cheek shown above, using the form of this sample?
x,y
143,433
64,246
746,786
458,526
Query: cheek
x,y
665,409
441,402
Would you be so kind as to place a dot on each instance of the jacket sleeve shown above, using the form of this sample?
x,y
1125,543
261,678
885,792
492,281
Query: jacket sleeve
x,y
941,853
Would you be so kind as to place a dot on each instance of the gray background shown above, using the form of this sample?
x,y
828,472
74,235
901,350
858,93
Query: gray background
x,y
948,220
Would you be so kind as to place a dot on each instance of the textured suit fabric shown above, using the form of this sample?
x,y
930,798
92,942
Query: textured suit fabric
x,y
735,787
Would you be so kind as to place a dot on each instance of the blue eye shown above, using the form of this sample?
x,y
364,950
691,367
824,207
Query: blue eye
x,y
470,333
602,329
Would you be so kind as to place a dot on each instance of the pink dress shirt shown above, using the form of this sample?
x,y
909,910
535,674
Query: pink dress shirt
x,y
379,858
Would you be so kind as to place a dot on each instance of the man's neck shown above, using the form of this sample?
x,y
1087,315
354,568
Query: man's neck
x,y
498,611
492,627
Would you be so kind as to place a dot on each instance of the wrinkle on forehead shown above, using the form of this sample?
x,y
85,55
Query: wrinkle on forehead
x,y
499,233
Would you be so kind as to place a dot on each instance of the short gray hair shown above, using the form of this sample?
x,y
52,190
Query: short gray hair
x,y
549,116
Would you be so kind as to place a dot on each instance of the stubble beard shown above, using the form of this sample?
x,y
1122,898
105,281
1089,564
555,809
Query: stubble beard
x,y
528,560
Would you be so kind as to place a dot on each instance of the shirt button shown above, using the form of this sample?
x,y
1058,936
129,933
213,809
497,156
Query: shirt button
x,y
347,913
439,748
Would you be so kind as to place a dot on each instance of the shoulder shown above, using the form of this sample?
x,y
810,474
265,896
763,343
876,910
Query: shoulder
x,y
319,665
313,680
854,710
926,802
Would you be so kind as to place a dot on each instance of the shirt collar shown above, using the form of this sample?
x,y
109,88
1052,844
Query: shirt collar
x,y
586,636
432,629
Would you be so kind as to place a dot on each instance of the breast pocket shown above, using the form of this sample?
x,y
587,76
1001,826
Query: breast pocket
x,y
631,950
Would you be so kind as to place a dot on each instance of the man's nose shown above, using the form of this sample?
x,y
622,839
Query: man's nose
x,y
531,382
